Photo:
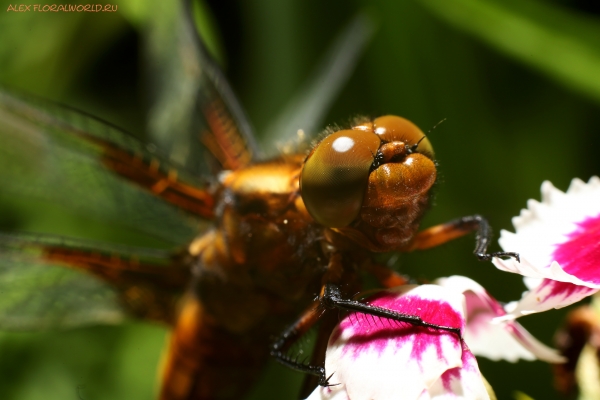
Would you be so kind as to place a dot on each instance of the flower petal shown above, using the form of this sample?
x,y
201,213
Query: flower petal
x,y
373,358
532,346
559,237
547,295
580,254
329,393
497,341
460,383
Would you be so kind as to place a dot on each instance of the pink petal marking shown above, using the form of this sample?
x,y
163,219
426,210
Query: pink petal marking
x,y
453,374
547,295
580,254
373,333
469,365
379,358
503,341
563,292
460,383
482,303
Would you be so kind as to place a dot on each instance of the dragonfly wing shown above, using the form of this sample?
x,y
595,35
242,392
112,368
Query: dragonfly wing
x,y
194,110
307,110
59,155
38,292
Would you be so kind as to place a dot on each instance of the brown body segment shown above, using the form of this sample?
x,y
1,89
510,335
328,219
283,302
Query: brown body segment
x,y
207,361
253,274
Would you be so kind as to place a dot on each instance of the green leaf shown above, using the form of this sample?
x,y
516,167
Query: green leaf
x,y
562,45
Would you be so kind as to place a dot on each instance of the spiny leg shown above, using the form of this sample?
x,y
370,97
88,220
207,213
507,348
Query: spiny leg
x,y
291,335
314,313
440,234
327,323
333,298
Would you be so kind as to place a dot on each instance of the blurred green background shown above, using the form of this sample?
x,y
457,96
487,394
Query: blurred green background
x,y
518,82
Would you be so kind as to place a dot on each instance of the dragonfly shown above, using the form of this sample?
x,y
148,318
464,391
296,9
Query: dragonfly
x,y
262,243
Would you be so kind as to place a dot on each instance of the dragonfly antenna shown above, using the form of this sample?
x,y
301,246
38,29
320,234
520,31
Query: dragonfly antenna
x,y
435,126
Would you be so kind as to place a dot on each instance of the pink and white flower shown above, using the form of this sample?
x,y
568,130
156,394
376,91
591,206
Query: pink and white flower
x,y
559,243
376,358
488,337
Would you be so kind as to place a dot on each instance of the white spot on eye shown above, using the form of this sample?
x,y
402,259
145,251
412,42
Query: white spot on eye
x,y
342,144
285,221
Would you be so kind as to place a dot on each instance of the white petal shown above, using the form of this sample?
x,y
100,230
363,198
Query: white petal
x,y
380,359
532,345
494,341
460,383
558,238
553,272
576,186
329,393
531,283
548,295
497,341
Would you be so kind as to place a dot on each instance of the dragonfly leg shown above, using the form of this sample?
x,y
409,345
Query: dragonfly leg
x,y
314,313
387,277
333,298
440,234
291,334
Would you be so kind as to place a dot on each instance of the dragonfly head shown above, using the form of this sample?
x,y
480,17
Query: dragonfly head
x,y
373,178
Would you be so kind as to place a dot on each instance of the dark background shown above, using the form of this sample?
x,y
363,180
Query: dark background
x,y
518,83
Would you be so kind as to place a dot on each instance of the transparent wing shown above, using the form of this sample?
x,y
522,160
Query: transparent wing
x,y
194,108
43,285
60,155
308,108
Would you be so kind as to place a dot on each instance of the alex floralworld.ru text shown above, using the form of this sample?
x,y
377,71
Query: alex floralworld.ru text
x,y
62,7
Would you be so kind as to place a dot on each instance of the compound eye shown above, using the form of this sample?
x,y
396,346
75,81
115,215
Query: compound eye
x,y
391,128
335,176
